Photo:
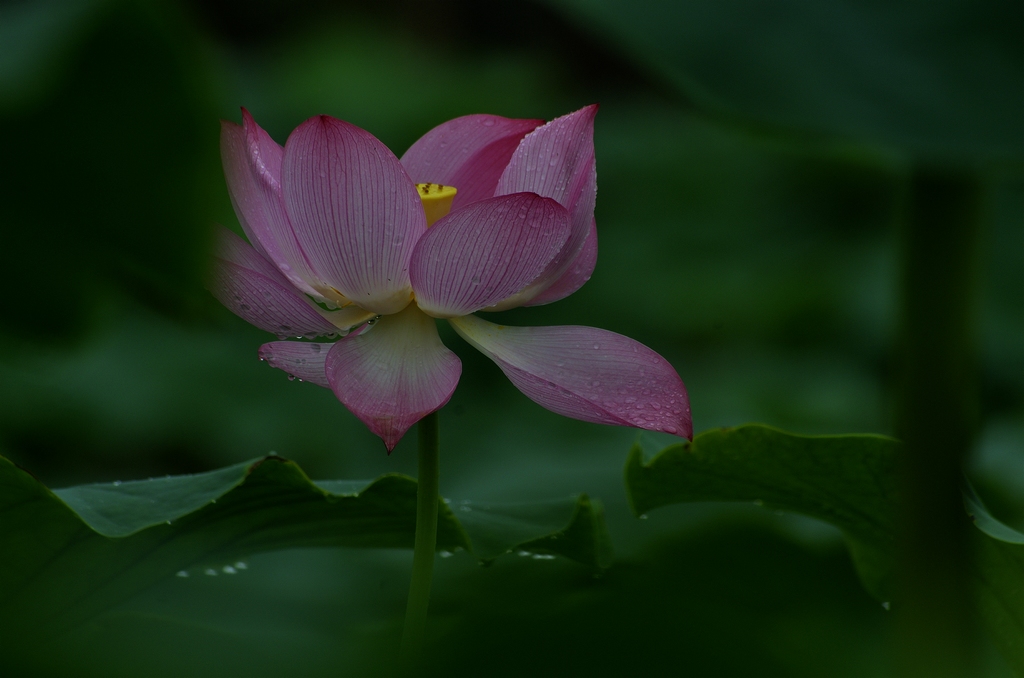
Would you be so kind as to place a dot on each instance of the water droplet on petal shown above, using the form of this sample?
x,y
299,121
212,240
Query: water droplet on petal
x,y
291,377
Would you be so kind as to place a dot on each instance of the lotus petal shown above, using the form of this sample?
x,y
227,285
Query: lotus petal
x,y
586,373
300,359
557,161
394,374
486,252
469,153
355,213
253,289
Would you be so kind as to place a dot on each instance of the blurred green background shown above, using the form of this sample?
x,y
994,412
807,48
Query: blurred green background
x,y
752,164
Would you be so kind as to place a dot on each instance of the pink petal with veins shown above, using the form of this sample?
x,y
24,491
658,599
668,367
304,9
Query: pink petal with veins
x,y
303,360
573,278
486,252
557,161
355,212
469,153
253,289
394,374
252,168
586,373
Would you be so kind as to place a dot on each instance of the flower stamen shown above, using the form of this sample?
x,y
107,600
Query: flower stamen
x,y
437,200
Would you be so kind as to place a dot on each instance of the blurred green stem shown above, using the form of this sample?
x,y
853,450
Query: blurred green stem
x,y
936,418
426,542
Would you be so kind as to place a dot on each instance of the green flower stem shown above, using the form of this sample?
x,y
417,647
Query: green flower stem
x,y
936,418
426,543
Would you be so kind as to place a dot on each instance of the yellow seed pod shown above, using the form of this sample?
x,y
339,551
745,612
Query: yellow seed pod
x,y
437,200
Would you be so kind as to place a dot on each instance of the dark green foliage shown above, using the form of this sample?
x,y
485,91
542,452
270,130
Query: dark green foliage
x,y
76,553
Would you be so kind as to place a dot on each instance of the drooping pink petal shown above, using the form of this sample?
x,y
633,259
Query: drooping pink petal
x,y
586,373
302,360
556,161
469,153
355,212
394,374
252,168
253,289
486,252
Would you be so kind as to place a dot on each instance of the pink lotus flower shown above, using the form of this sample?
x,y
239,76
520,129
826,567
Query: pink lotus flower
x,y
340,246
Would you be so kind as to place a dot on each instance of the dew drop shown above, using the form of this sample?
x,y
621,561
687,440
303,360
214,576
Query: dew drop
x,y
543,556
291,377
315,348
465,508
597,346
523,554
210,572
643,516
116,483
240,565
227,569
885,605
182,573
445,554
